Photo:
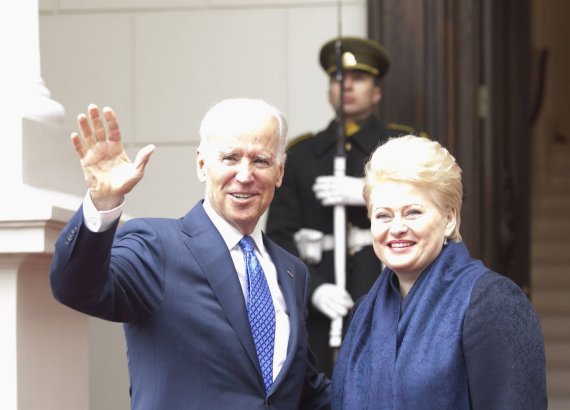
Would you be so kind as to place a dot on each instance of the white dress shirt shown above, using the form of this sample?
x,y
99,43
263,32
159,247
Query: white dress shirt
x,y
99,221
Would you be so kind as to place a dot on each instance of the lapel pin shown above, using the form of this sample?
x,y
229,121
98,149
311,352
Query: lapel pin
x,y
290,273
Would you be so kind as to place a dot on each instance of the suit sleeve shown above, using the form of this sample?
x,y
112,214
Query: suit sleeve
x,y
113,278
504,347
316,393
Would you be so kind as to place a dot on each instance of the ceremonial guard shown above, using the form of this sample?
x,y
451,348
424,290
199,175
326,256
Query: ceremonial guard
x,y
301,215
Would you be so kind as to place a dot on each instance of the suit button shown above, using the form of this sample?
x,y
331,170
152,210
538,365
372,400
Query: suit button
x,y
347,146
71,235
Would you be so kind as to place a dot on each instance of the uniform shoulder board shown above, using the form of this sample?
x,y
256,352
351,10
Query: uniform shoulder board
x,y
299,139
406,129
422,134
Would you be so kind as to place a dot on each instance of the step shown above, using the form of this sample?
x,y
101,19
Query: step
x,y
550,226
557,353
552,174
551,251
558,402
550,203
551,299
549,273
557,182
559,158
558,382
555,326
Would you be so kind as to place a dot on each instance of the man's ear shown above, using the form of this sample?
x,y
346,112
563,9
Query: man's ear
x,y
377,94
200,166
280,174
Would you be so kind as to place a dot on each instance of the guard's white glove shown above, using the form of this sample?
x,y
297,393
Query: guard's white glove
x,y
332,300
310,244
339,190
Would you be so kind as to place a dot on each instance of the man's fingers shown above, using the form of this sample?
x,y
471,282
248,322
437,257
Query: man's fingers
x,y
85,128
98,126
112,124
92,125
143,156
78,144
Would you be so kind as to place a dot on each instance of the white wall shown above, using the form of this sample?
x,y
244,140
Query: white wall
x,y
160,64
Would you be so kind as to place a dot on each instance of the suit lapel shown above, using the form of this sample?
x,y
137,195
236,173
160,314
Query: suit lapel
x,y
210,251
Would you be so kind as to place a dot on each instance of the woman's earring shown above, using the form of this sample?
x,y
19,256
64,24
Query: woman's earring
x,y
445,241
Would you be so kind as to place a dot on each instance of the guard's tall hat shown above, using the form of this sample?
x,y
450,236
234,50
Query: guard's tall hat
x,y
357,54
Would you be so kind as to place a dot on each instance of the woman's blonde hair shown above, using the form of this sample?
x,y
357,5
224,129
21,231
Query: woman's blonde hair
x,y
423,163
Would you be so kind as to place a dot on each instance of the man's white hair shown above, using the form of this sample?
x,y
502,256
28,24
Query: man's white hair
x,y
237,116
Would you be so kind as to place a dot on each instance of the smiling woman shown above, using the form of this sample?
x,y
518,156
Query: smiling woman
x,y
437,326
414,205
408,229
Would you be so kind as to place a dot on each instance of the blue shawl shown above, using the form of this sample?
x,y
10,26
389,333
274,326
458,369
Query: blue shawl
x,y
408,354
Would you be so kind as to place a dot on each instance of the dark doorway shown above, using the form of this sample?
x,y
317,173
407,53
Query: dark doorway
x,y
460,70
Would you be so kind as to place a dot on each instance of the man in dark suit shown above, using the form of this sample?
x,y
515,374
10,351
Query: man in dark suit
x,y
188,290
301,215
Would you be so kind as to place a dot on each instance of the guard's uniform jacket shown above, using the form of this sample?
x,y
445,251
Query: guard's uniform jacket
x,y
295,207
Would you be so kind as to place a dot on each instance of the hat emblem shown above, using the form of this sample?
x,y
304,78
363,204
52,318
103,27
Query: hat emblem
x,y
348,59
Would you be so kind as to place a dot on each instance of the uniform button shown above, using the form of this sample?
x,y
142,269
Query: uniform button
x,y
347,146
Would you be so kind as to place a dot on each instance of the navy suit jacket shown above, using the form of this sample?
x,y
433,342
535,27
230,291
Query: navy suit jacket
x,y
173,284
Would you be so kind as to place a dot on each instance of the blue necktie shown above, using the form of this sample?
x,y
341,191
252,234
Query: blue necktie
x,y
260,311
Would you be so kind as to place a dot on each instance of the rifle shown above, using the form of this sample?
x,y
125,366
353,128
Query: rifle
x,y
339,212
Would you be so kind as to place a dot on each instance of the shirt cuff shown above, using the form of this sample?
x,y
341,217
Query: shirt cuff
x,y
99,221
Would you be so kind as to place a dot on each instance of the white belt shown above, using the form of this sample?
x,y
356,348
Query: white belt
x,y
311,243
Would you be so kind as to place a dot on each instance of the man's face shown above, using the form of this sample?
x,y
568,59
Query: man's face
x,y
241,173
361,94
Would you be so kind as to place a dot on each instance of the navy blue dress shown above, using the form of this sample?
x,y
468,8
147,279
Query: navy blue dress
x,y
463,338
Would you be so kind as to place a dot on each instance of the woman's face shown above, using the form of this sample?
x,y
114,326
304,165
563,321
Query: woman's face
x,y
407,227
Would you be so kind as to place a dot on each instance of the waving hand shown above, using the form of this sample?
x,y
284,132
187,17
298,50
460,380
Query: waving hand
x,y
107,169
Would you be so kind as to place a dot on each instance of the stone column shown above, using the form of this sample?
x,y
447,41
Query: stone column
x,y
43,348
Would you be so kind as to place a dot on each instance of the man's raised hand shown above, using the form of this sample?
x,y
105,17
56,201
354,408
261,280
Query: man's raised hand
x,y
107,169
